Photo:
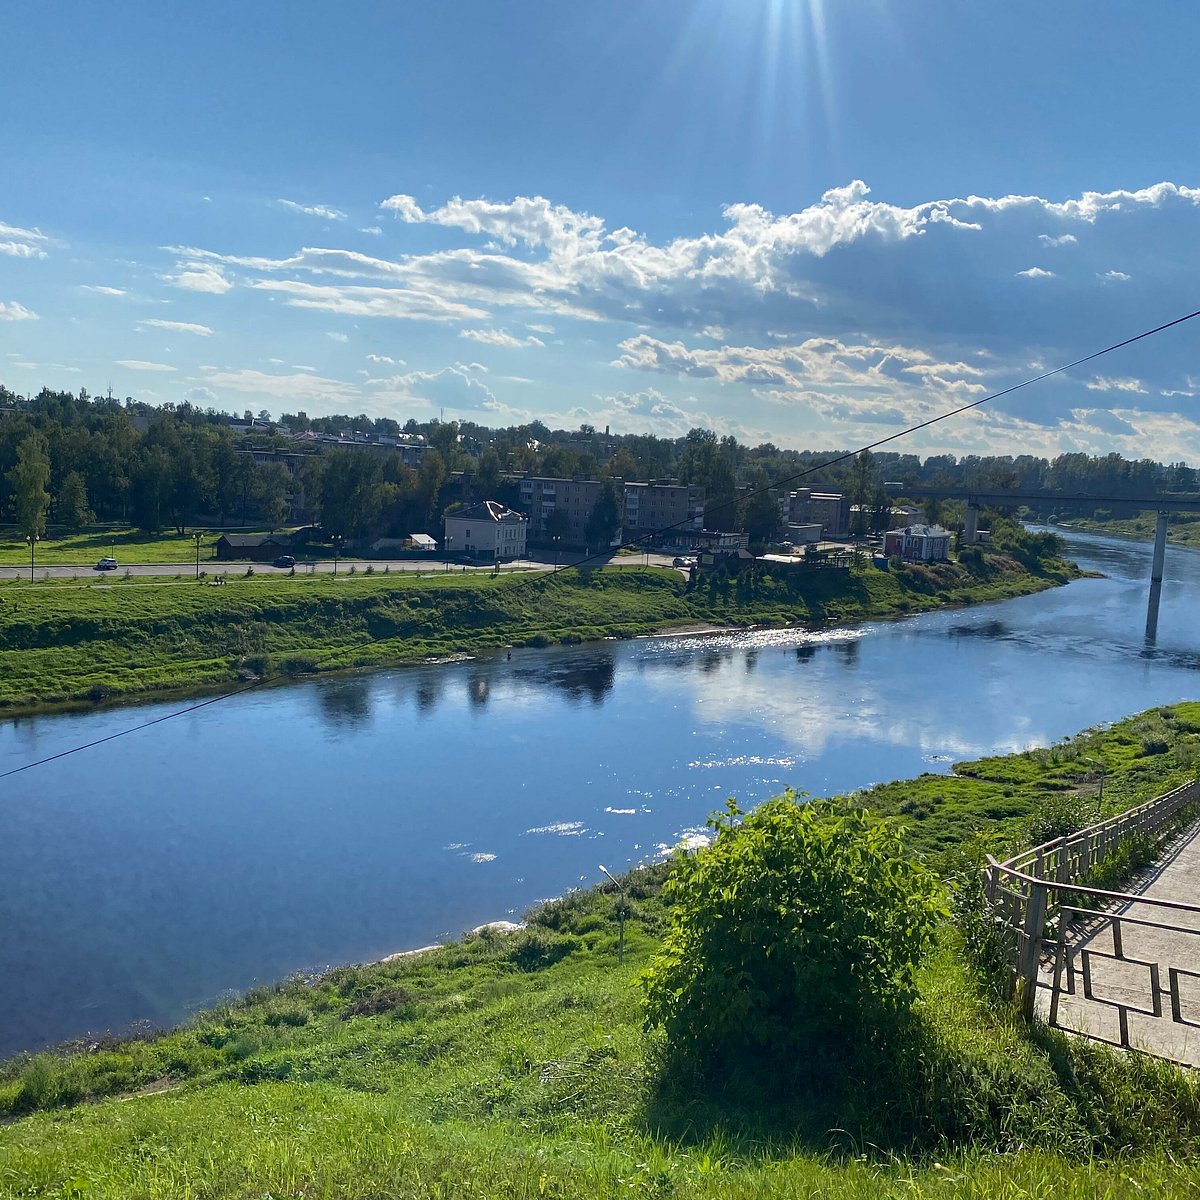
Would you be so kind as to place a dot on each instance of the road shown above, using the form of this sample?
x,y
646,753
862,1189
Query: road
x,y
86,573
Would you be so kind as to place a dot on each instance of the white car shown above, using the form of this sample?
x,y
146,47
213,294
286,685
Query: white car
x,y
107,564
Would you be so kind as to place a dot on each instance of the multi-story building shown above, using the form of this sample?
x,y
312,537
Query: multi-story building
x,y
658,505
488,531
830,510
542,497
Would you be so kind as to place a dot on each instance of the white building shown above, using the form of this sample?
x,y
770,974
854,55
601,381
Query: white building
x,y
918,543
488,531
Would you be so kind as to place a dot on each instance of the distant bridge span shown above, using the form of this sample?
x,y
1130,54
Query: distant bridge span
x,y
976,498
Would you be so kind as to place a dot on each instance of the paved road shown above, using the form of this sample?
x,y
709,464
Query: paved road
x,y
87,572
1126,979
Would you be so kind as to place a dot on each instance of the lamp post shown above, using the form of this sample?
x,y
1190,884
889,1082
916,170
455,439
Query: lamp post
x,y
620,912
197,537
557,539
337,550
449,539
32,539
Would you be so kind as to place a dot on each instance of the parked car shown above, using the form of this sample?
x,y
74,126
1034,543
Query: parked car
x,y
107,564
285,560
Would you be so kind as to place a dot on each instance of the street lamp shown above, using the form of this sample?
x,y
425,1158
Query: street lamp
x,y
197,537
557,539
448,539
337,550
620,912
32,539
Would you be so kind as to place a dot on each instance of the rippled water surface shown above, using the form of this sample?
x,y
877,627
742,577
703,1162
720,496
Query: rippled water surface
x,y
342,819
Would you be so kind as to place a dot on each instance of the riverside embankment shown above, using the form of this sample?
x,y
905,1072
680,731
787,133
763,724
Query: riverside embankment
x,y
69,644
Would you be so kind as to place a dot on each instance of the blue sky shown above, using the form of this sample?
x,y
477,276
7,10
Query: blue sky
x,y
796,220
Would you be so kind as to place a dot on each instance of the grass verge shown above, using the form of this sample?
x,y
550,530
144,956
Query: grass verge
x,y
64,644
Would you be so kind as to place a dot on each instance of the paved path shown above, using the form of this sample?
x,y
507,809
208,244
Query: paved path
x,y
1126,980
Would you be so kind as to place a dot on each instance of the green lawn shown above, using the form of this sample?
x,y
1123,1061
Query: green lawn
x,y
115,637
519,1066
64,549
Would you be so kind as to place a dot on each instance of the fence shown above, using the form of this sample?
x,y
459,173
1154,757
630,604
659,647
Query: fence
x,y
1116,995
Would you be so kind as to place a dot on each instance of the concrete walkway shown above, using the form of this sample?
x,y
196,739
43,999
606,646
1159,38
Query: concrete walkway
x,y
1124,978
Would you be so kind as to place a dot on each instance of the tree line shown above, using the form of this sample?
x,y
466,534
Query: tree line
x,y
73,459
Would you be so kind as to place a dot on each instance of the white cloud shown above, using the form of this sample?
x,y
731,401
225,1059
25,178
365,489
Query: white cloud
x,y
137,364
338,337
453,387
386,360
199,277
1104,383
291,388
546,329
499,337
10,310
1066,239
200,395
101,290
178,326
1115,276
373,230
1036,273
22,243
313,210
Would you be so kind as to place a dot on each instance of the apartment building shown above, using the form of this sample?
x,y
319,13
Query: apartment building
x,y
830,510
660,505
542,497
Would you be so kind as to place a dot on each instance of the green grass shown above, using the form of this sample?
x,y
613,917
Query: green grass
x,y
1183,528
519,1066
67,643
63,549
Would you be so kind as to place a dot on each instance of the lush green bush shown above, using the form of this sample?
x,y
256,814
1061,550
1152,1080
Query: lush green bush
x,y
799,928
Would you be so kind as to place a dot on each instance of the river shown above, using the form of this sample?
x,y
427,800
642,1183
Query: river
x,y
342,819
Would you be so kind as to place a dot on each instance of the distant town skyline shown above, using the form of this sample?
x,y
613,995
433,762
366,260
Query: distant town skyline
x,y
789,220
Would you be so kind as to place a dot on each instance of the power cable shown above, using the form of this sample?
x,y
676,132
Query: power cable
x,y
892,437
543,575
112,737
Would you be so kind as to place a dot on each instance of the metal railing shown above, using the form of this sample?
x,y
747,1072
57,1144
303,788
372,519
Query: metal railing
x,y
1040,902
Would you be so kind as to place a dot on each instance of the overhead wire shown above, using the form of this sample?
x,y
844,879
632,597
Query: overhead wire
x,y
655,533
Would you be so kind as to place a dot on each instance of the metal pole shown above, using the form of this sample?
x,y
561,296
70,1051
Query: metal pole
x,y
1156,576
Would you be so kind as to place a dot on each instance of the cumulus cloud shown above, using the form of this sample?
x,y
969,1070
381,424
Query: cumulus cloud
x,y
1065,239
199,277
200,395
1036,273
101,290
137,364
499,337
456,387
1115,276
313,210
10,310
385,360
178,326
311,389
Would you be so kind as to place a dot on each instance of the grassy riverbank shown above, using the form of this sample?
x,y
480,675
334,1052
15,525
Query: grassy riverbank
x,y
1182,530
65,643
518,1066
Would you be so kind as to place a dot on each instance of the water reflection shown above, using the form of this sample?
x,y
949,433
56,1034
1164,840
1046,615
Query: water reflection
x,y
133,888
345,702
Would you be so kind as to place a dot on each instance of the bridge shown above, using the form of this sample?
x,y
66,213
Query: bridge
x,y
977,498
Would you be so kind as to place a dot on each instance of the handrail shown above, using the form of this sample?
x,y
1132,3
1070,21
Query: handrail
x,y
1080,890
1026,890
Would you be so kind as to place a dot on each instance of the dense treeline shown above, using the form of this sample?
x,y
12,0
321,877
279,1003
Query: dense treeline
x,y
72,459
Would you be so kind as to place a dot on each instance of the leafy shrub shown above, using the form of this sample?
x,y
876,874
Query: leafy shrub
x,y
799,928
1059,815
298,664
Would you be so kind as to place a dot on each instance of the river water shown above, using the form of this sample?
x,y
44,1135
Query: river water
x,y
342,819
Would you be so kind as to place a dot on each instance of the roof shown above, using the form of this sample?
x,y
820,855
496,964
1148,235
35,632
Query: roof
x,y
247,541
422,539
488,510
932,531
